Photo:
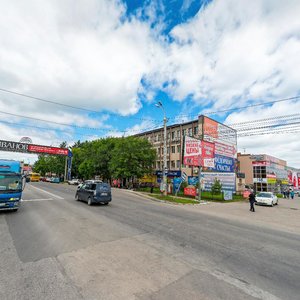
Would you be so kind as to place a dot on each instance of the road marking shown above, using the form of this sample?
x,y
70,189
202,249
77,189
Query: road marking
x,y
33,200
58,197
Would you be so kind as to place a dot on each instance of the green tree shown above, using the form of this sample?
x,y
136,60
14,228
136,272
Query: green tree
x,y
132,157
216,188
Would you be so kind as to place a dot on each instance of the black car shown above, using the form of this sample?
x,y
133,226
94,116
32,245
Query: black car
x,y
94,192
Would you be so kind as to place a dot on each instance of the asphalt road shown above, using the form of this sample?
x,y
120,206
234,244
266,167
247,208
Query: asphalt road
x,y
57,248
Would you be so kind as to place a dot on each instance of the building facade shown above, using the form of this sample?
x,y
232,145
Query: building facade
x,y
263,172
205,129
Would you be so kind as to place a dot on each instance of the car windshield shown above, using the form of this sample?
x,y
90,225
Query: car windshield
x,y
264,195
10,183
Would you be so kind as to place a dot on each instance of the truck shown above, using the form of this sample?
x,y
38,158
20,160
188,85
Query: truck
x,y
12,184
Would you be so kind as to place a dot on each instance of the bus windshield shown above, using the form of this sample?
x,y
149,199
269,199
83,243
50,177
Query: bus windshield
x,y
10,183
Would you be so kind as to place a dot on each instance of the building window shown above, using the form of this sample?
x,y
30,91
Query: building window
x,y
168,164
178,164
173,164
158,165
178,149
173,135
183,132
178,134
168,135
158,138
168,150
196,130
190,132
173,149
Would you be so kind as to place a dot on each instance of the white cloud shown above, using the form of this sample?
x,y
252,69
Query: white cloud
x,y
231,51
77,53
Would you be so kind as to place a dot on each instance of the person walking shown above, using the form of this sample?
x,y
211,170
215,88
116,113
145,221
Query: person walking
x,y
252,201
292,194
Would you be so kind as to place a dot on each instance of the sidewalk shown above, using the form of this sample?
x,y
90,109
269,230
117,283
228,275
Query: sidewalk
x,y
285,216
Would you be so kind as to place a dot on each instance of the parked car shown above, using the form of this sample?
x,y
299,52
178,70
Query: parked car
x,y
73,181
93,191
43,178
266,198
55,180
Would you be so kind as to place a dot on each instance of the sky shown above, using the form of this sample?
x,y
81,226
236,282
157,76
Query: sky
x,y
103,65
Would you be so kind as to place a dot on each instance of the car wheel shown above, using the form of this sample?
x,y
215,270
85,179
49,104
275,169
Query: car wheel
x,y
90,201
272,204
76,197
277,202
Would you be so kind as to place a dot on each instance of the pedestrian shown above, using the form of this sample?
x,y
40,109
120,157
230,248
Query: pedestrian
x,y
292,194
283,193
151,189
288,194
252,201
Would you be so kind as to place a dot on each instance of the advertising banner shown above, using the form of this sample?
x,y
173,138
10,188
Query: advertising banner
x,y
176,183
208,154
193,180
190,191
30,148
210,129
198,153
225,150
228,195
224,164
47,150
192,152
227,180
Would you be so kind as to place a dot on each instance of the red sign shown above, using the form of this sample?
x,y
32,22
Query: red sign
x,y
208,154
260,163
190,191
192,151
246,194
48,150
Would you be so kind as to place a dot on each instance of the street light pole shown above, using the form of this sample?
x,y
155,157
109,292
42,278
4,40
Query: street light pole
x,y
165,169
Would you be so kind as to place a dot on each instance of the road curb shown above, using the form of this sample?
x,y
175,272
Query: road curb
x,y
163,201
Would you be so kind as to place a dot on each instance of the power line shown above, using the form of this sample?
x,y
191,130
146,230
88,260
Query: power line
x,y
66,105
238,108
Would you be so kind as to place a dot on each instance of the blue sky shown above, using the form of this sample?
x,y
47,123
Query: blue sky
x,y
113,60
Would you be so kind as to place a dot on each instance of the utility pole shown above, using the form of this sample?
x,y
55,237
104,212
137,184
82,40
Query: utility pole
x,y
165,156
165,169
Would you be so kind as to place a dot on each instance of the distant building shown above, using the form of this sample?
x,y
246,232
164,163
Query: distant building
x,y
263,172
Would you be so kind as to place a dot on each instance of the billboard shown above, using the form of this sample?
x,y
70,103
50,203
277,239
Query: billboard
x,y
223,164
227,180
198,153
192,151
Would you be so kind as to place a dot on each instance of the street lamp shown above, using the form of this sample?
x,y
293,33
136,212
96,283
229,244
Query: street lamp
x,y
165,170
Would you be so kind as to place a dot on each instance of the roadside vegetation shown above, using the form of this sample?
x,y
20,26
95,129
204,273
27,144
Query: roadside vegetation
x,y
127,158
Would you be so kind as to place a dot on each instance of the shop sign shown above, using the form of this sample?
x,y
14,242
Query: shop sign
x,y
271,180
259,180
260,163
175,173
224,164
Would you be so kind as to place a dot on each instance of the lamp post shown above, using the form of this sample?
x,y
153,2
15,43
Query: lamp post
x,y
165,170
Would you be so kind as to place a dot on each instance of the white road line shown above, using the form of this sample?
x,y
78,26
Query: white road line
x,y
58,197
33,200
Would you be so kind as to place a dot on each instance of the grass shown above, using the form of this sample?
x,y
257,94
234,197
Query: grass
x,y
181,198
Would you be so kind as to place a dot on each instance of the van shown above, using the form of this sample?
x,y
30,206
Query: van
x,y
94,192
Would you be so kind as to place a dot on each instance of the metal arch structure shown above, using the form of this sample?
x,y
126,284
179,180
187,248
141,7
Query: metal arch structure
x,y
39,149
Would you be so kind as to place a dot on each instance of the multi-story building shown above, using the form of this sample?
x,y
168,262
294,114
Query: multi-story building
x,y
203,128
263,172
